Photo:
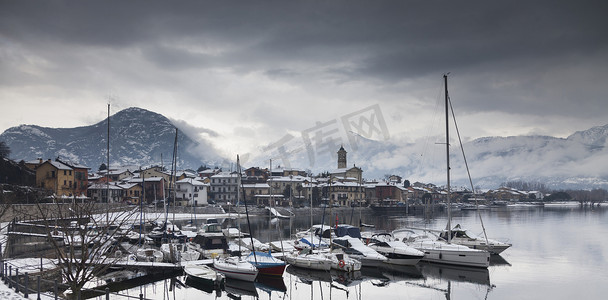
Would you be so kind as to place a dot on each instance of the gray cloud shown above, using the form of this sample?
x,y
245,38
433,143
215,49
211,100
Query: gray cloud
x,y
282,65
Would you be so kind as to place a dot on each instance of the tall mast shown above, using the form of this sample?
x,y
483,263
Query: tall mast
x,y
108,160
238,168
174,173
447,151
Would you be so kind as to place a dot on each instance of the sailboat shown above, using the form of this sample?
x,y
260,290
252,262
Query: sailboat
x,y
461,236
263,261
307,258
237,267
444,251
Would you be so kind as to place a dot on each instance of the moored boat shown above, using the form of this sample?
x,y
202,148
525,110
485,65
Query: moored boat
x,y
236,268
439,251
308,260
398,253
355,248
204,275
463,237
266,263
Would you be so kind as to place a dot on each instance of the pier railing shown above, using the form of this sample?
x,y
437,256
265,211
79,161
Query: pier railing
x,y
35,285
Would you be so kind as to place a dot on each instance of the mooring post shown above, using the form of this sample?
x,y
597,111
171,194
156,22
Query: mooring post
x,y
141,296
38,287
107,293
26,285
56,290
10,274
17,280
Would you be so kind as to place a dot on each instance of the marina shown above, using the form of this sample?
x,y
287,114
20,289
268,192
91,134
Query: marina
x,y
523,270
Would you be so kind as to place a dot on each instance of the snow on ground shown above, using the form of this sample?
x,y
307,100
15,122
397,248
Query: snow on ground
x,y
6,293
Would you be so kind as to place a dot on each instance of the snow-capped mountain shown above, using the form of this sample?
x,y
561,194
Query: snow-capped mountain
x,y
138,137
576,162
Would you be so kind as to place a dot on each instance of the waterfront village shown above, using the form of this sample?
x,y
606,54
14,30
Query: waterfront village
x,y
64,235
284,187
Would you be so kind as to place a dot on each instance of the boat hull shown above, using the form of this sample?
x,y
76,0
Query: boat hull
x,y
308,262
272,270
479,259
241,270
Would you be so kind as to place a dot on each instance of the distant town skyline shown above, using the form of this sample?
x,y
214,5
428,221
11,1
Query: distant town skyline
x,y
244,75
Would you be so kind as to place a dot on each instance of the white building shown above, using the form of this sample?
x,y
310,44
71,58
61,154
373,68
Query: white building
x,y
190,191
224,187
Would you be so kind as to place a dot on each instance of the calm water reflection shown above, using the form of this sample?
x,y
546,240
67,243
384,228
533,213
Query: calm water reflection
x,y
558,252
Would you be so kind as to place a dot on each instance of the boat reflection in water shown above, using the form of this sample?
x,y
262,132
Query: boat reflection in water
x,y
270,284
480,276
308,276
401,272
237,288
497,260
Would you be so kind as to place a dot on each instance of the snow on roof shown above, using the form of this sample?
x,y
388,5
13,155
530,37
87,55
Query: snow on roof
x,y
191,181
225,174
290,178
59,165
147,179
101,186
257,185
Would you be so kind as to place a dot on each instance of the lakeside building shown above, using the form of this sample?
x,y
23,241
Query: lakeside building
x,y
191,192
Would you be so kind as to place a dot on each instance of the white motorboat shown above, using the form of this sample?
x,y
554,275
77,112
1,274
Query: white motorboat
x,y
282,246
355,248
318,230
210,244
463,237
149,255
313,242
257,245
236,268
343,262
439,251
175,252
308,260
205,275
398,253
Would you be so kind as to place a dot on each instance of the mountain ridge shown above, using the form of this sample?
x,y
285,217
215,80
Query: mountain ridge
x,y
139,137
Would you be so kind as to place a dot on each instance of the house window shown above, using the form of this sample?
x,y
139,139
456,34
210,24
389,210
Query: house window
x,y
64,172
64,182
70,172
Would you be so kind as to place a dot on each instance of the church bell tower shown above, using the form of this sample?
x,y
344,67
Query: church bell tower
x,y
341,158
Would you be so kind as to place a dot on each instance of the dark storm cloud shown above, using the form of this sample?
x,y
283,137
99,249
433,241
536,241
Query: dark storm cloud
x,y
536,57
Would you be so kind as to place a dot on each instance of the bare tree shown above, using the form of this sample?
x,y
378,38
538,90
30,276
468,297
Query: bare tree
x,y
90,231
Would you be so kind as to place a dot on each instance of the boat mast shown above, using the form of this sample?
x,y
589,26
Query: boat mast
x,y
108,172
174,174
447,151
238,168
312,238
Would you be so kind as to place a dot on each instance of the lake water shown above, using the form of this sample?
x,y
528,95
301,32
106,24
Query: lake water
x,y
558,252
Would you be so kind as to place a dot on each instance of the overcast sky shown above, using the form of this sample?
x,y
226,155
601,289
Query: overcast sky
x,y
243,74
